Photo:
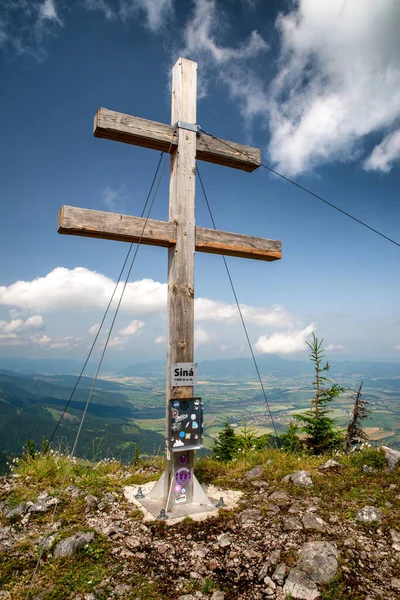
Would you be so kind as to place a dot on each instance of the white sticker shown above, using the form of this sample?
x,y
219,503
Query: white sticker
x,y
183,374
178,443
181,498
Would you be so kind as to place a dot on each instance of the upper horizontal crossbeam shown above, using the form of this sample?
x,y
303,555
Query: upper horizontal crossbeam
x,y
113,226
119,127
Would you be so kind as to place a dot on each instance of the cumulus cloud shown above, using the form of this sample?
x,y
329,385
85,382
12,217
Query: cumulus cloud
x,y
159,340
19,328
81,289
132,328
338,80
385,154
336,347
284,343
93,330
155,12
200,43
202,337
211,310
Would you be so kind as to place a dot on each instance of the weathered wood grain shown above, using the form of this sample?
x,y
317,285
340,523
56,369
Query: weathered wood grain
x,y
119,127
124,228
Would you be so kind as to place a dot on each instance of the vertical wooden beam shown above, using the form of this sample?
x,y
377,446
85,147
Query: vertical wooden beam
x,y
180,342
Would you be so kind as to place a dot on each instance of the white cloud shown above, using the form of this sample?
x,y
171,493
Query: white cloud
x,y
284,343
35,322
132,328
25,25
113,199
211,310
385,154
336,347
48,11
93,330
202,337
43,340
156,12
116,341
159,340
81,289
338,81
200,43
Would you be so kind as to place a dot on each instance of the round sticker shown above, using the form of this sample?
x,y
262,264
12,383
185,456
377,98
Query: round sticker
x,y
196,402
183,490
193,416
195,425
183,459
182,434
178,489
182,476
174,413
184,405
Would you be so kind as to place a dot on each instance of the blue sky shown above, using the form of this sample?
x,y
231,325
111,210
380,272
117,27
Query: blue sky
x,y
315,85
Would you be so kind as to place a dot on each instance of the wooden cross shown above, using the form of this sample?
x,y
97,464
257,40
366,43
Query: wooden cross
x,y
179,234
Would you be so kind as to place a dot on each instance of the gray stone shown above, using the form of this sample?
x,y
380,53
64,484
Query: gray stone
x,y
300,478
251,515
187,597
269,564
368,514
291,524
132,542
201,551
270,589
122,590
109,497
17,511
218,596
72,544
42,505
46,542
392,457
319,561
349,543
279,574
254,473
314,523
91,501
224,540
300,587
367,469
279,497
330,464
395,583
395,535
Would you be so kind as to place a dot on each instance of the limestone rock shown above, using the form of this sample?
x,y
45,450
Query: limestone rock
x,y
251,515
254,473
319,561
368,514
300,478
17,511
218,596
43,504
291,524
279,574
72,544
392,457
224,540
279,497
395,535
122,590
270,587
395,583
313,522
91,501
330,465
300,587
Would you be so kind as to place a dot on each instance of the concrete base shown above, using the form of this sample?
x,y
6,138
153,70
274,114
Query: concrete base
x,y
151,507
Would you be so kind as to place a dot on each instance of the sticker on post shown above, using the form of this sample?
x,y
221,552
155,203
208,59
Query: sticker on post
x,y
181,498
183,374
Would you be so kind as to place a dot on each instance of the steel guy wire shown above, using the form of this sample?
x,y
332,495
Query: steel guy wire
x,y
304,189
107,309
94,381
239,310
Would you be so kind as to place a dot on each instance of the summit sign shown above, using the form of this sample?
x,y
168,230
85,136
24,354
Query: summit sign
x,y
183,374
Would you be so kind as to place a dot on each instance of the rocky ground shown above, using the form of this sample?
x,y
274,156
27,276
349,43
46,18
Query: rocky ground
x,y
330,532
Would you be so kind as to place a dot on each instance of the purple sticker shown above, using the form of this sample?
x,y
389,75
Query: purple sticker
x,y
177,489
183,476
183,459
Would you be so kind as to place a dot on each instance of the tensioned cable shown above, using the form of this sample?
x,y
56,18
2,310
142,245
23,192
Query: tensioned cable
x,y
239,309
107,309
95,380
304,189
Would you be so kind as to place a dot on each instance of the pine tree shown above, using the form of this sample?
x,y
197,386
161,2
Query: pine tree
x,y
321,433
225,446
355,433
